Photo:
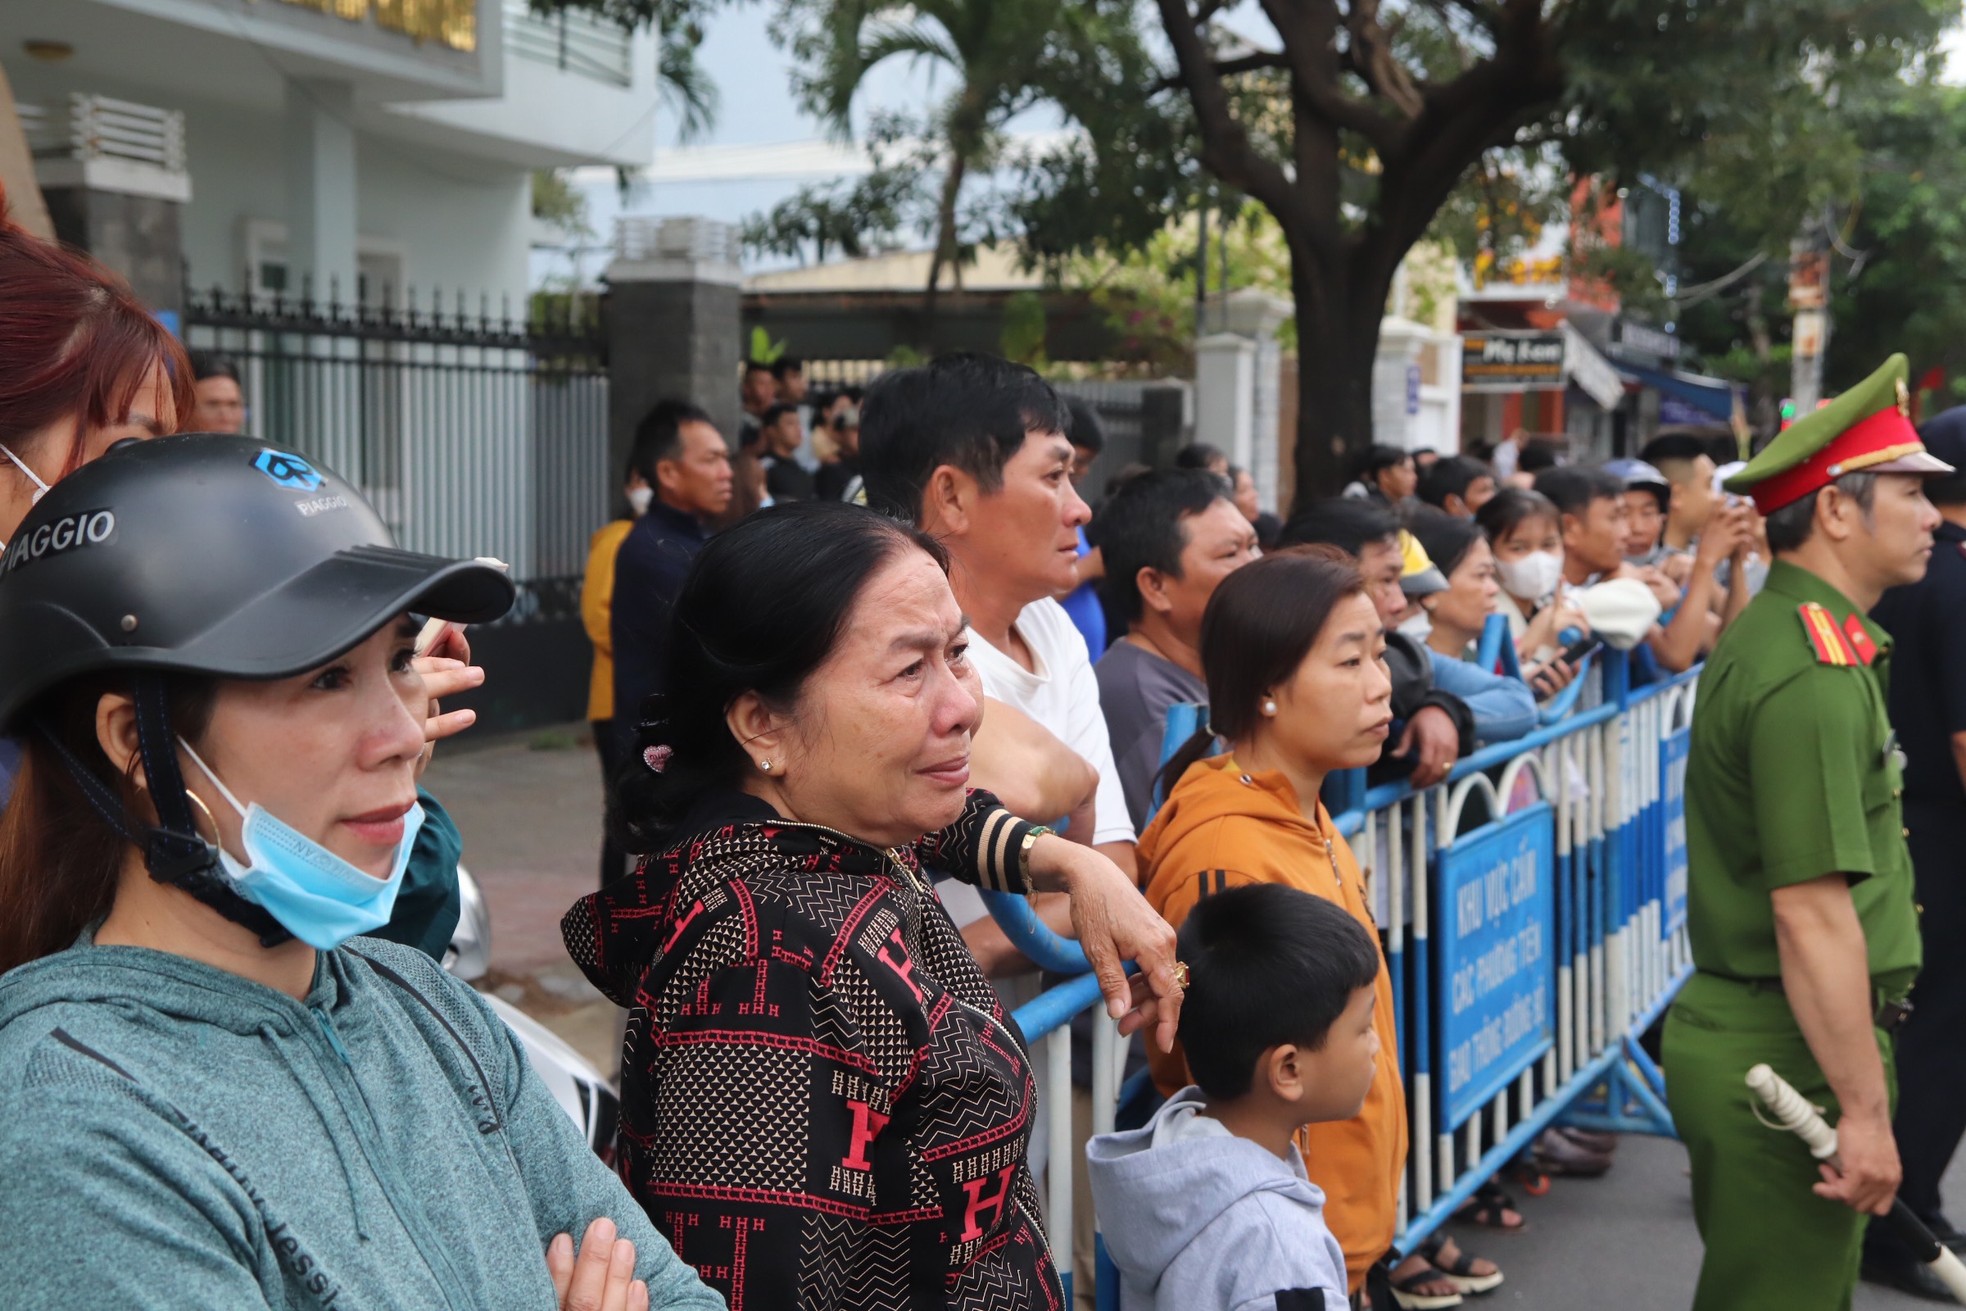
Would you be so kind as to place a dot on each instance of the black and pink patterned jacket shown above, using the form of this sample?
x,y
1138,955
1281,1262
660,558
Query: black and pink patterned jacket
x,y
823,1103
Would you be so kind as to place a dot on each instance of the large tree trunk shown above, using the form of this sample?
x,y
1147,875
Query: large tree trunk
x,y
1340,297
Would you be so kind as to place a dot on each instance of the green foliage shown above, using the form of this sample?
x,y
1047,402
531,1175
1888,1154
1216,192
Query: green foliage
x,y
857,216
1901,238
1001,57
763,349
1147,293
557,203
1022,338
1908,226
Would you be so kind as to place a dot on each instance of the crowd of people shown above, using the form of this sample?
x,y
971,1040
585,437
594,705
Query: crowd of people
x,y
230,1059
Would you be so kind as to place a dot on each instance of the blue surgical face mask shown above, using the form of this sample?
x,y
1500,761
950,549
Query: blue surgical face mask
x,y
315,895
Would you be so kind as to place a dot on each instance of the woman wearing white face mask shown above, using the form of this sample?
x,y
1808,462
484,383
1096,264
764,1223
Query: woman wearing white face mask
x,y
597,615
82,366
203,1067
1525,535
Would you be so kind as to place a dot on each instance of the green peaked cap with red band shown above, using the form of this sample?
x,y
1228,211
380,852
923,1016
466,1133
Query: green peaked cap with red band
x,y
1865,430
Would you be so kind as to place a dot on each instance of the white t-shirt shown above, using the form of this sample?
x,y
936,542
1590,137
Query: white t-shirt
x,y
1062,694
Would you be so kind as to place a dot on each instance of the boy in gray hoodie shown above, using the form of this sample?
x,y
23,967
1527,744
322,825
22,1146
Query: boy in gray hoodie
x,y
1208,1207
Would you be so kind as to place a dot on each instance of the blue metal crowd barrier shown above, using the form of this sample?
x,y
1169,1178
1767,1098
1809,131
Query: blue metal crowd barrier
x,y
1532,907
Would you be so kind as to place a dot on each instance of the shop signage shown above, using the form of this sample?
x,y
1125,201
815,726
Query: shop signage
x,y
1512,361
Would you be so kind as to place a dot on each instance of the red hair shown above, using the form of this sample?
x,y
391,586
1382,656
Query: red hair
x,y
75,343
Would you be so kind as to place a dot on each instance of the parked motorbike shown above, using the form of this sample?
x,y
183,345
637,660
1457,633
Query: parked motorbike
x,y
582,1091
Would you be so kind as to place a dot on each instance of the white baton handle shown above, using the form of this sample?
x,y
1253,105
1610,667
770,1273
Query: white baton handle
x,y
1795,1114
1800,1118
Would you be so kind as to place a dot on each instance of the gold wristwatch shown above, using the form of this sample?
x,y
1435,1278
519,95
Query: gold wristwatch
x,y
1024,852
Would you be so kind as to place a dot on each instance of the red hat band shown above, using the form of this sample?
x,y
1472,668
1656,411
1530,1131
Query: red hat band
x,y
1884,436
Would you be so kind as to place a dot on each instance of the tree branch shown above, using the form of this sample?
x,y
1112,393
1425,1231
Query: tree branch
x,y
1465,117
1225,147
1249,63
1314,75
1370,55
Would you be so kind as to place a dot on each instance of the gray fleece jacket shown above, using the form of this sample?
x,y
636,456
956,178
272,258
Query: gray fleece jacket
x,y
174,1136
1198,1219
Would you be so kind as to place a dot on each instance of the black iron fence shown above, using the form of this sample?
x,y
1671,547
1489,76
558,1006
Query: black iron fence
x,y
471,433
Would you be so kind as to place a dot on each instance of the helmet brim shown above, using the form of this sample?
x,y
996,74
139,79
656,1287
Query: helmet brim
x,y
302,624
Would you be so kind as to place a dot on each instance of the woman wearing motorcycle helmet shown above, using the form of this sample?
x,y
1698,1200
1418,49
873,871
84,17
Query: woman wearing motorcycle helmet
x,y
213,1091
84,365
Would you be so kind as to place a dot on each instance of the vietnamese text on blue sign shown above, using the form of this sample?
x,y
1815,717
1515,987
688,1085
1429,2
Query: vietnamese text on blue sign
x,y
1497,979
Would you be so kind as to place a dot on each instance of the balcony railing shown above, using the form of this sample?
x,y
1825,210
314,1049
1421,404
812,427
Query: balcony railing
x,y
89,127
573,43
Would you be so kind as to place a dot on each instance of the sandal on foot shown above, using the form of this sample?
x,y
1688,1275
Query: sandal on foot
x,y
1461,1272
1490,1208
1407,1297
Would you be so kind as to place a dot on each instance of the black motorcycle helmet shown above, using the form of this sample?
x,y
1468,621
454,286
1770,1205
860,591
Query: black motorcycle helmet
x,y
211,555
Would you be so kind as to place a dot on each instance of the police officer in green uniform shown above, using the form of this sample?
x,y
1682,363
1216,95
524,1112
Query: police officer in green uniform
x,y
1799,896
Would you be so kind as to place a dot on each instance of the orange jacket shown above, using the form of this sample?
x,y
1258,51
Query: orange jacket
x,y
1222,828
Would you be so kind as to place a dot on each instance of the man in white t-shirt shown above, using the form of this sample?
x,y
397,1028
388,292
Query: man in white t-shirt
x,y
975,450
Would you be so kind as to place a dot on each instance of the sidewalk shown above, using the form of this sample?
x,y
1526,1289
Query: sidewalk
x,y
529,807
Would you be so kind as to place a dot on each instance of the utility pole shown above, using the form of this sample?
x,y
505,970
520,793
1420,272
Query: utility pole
x,y
1201,268
1809,270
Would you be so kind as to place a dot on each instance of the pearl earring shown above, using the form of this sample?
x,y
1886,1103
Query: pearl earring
x,y
1269,707
765,765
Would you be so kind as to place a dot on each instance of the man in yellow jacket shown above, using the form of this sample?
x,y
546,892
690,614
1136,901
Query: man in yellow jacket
x,y
597,615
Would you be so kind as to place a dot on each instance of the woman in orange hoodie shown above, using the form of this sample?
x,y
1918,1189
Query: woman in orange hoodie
x,y
1297,687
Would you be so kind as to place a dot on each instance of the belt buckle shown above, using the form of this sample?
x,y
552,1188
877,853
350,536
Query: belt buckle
x,y
1891,1015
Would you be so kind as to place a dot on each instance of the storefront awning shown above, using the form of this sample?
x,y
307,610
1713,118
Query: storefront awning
x,y
1712,397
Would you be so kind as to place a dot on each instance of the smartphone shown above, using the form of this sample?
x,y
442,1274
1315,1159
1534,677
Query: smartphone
x,y
1579,649
431,633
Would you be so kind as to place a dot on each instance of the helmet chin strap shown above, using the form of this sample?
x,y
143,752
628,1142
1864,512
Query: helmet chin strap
x,y
172,850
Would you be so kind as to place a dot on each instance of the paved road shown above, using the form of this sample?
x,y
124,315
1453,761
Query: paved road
x,y
1625,1241
530,811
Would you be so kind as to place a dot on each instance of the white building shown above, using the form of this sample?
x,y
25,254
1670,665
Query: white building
x,y
379,143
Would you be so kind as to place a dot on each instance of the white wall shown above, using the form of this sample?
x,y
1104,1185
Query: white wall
x,y
462,222
462,226
564,118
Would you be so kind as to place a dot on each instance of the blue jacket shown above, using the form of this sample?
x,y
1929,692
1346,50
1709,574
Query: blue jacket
x,y
1504,708
174,1136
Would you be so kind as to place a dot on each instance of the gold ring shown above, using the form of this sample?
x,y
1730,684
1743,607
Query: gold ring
x,y
1180,973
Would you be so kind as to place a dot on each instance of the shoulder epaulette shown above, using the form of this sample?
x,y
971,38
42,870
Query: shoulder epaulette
x,y
1860,643
1832,647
